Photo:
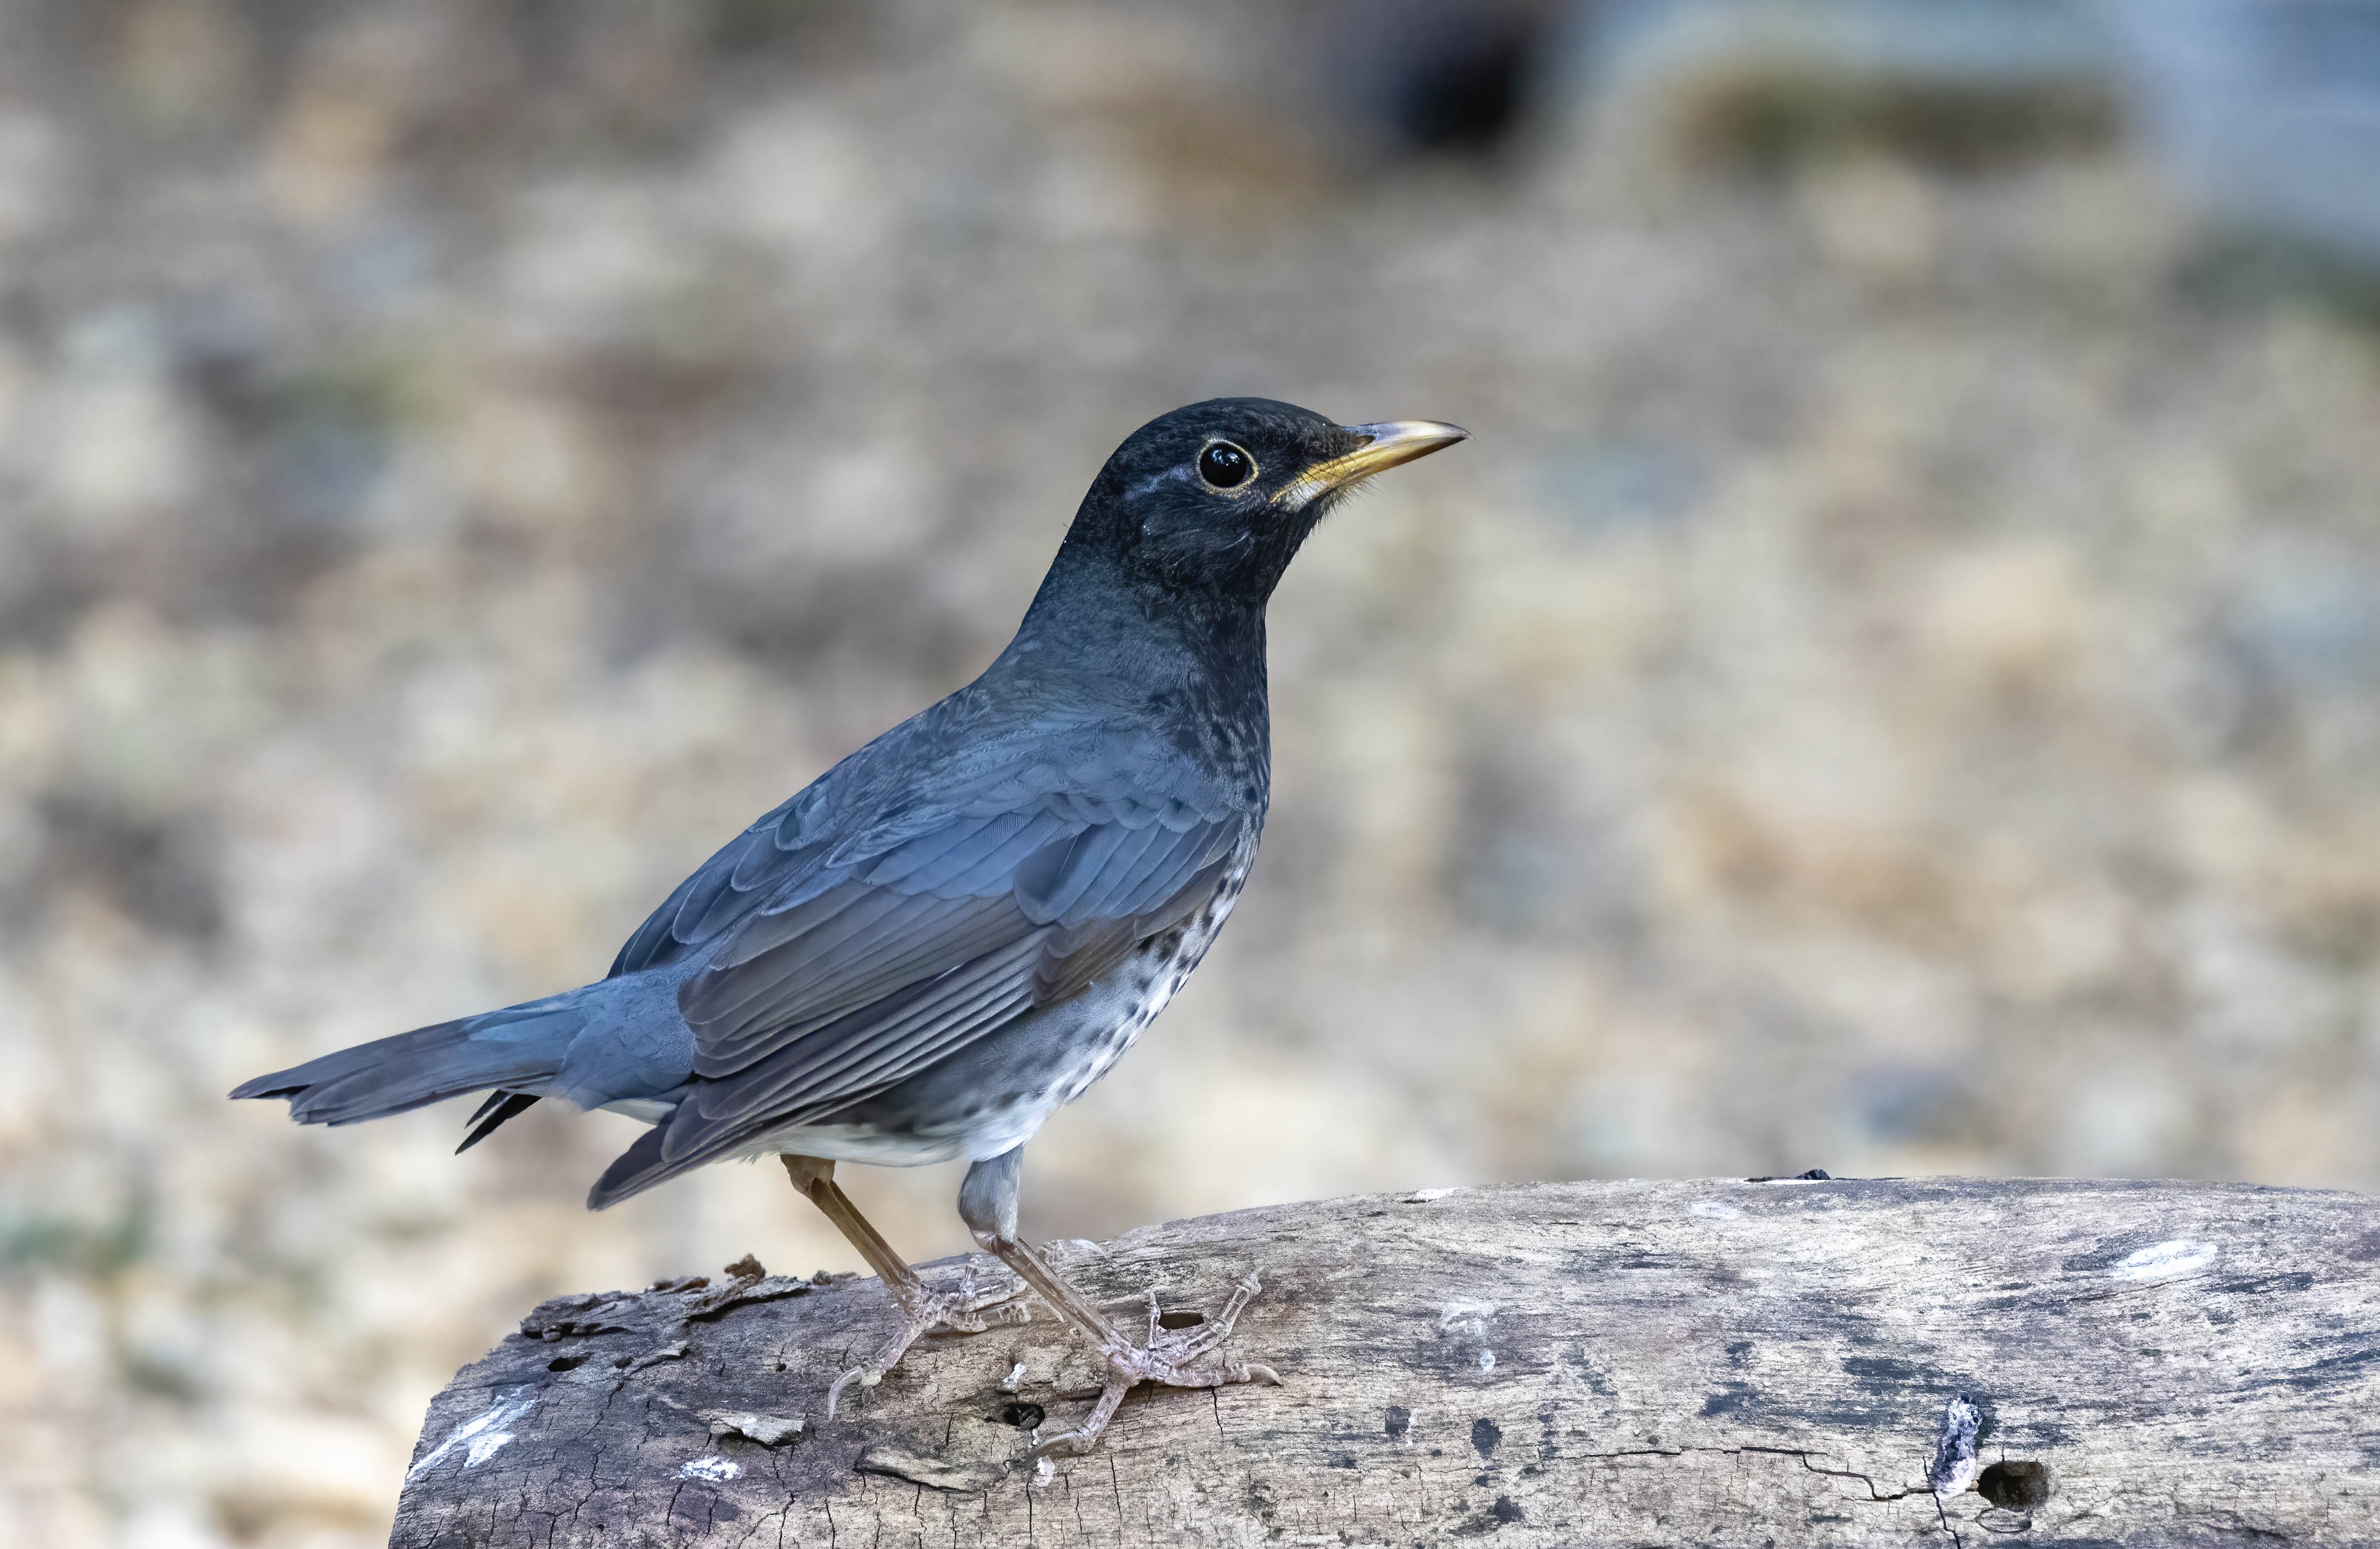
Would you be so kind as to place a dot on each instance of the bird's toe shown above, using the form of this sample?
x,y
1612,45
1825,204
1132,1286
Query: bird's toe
x,y
864,1375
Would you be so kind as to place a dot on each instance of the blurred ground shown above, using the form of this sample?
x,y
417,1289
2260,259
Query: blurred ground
x,y
1892,685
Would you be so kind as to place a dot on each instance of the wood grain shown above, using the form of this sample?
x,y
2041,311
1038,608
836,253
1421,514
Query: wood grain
x,y
1644,1363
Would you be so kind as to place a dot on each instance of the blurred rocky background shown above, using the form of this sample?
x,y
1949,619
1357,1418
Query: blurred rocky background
x,y
1894,686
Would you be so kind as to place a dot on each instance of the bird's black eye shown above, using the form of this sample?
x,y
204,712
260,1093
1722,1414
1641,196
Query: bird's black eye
x,y
1225,466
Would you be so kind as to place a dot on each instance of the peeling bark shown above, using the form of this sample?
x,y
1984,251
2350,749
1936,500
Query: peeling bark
x,y
1560,1364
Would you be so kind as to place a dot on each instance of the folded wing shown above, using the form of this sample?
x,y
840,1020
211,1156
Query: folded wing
x,y
843,958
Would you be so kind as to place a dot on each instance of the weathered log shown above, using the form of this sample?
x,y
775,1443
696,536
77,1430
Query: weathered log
x,y
1785,1362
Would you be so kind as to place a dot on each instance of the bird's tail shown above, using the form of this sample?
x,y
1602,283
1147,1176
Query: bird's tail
x,y
516,1050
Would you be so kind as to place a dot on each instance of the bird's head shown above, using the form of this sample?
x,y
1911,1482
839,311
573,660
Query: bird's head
x,y
1216,497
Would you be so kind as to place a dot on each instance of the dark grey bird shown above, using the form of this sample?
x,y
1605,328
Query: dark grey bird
x,y
961,926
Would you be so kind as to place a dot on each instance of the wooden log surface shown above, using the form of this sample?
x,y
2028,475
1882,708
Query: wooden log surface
x,y
1726,1362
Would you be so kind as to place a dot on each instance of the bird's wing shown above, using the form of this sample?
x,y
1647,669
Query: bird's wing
x,y
944,802
941,909
844,956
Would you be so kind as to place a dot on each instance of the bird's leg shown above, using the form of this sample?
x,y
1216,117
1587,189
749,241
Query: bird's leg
x,y
1178,1359
967,1311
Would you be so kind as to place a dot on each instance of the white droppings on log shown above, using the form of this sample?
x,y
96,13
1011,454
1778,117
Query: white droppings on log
x,y
2165,1261
480,1437
1955,1467
1470,1317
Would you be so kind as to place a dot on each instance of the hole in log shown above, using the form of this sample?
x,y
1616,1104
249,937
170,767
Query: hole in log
x,y
1025,1417
1179,1320
566,1363
2017,1484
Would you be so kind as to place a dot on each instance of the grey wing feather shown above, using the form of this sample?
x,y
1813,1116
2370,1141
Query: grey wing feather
x,y
760,991
790,976
809,1075
744,872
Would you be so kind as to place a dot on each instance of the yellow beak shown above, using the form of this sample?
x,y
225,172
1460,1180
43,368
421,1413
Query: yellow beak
x,y
1390,441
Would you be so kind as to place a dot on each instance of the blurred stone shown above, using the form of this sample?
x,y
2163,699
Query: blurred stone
x,y
120,443
1764,83
1875,214
2268,111
186,64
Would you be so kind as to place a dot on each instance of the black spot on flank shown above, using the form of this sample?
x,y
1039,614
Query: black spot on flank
x,y
566,1363
1485,1435
1399,1421
1506,1509
1025,1417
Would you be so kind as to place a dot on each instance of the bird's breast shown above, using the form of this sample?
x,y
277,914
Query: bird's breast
x,y
1148,978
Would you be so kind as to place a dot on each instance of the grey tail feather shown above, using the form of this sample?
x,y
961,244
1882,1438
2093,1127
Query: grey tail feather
x,y
520,1046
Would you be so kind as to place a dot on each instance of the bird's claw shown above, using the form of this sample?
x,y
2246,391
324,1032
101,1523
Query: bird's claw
x,y
968,1310
1175,1357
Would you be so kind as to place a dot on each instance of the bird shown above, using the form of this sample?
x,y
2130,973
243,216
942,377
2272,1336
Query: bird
x,y
960,927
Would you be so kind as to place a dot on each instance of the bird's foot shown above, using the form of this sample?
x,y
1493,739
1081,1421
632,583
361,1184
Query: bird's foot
x,y
970,1308
1177,1357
